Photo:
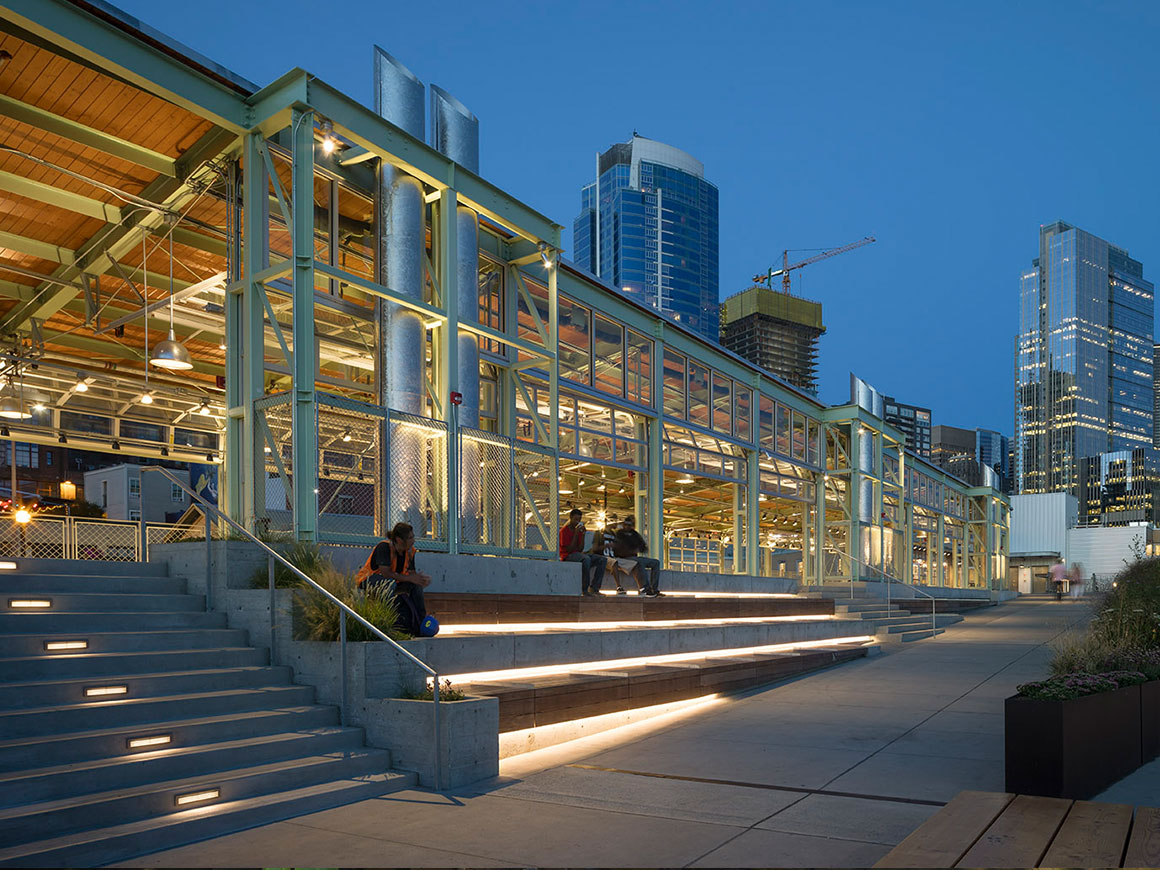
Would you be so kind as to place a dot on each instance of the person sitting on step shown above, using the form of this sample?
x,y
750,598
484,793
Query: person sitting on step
x,y
627,545
392,564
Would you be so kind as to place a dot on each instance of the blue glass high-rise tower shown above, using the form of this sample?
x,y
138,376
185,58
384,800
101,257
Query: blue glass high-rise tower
x,y
649,225
1083,358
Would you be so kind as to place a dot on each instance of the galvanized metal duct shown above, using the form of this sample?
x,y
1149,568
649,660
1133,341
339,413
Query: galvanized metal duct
x,y
455,133
402,240
866,467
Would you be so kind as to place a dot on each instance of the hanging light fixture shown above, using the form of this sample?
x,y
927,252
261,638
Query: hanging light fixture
x,y
82,385
169,353
329,143
11,408
146,397
204,409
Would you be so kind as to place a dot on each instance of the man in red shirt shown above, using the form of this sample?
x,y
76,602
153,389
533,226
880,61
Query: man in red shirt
x,y
572,550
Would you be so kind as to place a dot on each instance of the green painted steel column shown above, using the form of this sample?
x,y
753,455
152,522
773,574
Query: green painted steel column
x,y
855,482
908,546
656,489
752,514
819,566
305,440
941,532
237,419
446,238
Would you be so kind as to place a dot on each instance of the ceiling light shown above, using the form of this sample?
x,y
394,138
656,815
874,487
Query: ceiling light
x,y
164,451
63,439
116,444
147,397
12,409
39,407
169,353
204,409
82,385
222,346
346,435
329,143
209,457
545,256
4,433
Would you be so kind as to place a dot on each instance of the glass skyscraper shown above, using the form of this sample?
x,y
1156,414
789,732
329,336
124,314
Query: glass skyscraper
x,y
1083,358
648,225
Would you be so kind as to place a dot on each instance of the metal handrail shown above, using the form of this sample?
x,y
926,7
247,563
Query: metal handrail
x,y
344,610
887,579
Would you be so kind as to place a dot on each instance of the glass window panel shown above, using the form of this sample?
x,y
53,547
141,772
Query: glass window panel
x,y
722,404
799,436
639,369
608,356
783,430
742,417
813,446
674,376
526,323
698,394
595,417
575,332
491,302
765,414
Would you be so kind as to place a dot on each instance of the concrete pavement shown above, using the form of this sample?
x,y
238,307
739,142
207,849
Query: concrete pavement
x,y
829,770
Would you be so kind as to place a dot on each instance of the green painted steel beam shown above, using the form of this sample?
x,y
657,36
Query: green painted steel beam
x,y
304,443
37,248
124,55
84,135
49,195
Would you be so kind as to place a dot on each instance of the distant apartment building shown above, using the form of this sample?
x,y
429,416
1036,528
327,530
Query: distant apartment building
x,y
1085,375
648,225
776,331
913,421
953,448
124,493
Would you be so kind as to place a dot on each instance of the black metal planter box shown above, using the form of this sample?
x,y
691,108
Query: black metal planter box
x,y
1150,721
1072,749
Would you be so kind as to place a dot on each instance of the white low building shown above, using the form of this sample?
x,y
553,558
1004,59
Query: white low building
x,y
125,493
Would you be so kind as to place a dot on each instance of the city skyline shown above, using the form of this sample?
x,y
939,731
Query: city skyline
x,y
922,128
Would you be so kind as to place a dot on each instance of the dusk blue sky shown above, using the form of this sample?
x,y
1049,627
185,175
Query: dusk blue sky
x,y
949,132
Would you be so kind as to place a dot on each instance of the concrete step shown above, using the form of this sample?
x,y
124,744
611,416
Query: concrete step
x,y
123,841
16,696
118,807
58,623
93,568
96,602
869,613
27,645
80,746
81,583
908,636
58,666
864,606
128,770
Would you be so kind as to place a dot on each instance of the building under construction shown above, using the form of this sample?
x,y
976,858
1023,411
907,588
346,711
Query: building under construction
x,y
775,331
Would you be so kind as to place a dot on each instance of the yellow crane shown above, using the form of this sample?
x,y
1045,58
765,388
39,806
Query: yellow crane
x,y
787,266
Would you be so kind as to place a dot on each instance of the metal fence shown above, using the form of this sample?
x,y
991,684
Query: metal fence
x,y
45,537
273,464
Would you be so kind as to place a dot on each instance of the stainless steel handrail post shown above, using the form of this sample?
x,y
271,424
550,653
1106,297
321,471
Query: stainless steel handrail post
x,y
270,579
438,733
206,508
342,646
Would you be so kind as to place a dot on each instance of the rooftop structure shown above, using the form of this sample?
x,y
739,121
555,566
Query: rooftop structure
x,y
776,332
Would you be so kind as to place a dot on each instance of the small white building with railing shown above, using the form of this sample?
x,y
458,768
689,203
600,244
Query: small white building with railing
x,y
124,493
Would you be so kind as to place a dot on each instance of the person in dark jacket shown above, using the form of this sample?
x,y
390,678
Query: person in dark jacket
x,y
628,544
392,563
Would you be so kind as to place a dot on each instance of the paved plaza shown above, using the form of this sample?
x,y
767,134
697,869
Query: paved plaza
x,y
829,770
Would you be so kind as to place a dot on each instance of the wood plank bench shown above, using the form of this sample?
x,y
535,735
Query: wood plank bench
x,y
992,829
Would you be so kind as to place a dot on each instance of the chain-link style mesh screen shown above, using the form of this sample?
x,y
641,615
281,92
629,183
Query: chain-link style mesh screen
x,y
169,533
273,467
536,499
350,470
106,539
40,538
417,477
485,491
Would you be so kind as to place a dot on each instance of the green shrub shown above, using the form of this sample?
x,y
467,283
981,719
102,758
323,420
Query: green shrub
x,y
1130,612
1069,686
317,618
306,556
446,693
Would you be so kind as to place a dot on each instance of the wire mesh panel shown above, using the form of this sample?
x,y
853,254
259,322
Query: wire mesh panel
x,y
40,538
176,533
485,482
273,464
416,477
536,499
109,540
351,484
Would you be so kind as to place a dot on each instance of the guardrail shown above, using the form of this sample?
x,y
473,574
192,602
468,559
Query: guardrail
x,y
345,610
883,577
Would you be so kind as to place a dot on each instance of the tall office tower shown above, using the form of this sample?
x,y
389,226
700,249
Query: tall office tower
x,y
953,448
776,331
1156,395
912,420
1083,358
648,225
1119,487
993,449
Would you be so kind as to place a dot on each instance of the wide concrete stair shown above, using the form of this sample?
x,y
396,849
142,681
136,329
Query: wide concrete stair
x,y
551,659
133,720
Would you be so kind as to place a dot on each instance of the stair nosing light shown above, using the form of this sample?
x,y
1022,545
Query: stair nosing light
x,y
51,645
25,603
152,740
196,796
98,691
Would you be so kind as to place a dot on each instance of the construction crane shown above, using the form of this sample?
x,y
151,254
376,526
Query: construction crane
x,y
787,266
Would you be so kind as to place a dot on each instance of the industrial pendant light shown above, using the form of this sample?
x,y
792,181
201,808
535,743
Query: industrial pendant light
x,y
169,353
11,408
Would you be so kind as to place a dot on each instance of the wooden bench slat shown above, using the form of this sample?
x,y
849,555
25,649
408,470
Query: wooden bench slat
x,y
1092,835
1021,834
1144,846
943,838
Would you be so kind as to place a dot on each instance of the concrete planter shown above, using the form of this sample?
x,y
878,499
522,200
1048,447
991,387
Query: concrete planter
x,y
1072,749
468,730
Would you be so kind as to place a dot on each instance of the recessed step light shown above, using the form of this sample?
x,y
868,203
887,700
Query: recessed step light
x,y
98,691
54,645
7,566
154,740
193,797
29,603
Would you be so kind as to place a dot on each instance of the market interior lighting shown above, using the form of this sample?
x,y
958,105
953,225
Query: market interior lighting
x,y
204,409
82,384
146,398
12,409
545,257
58,645
346,435
169,353
329,143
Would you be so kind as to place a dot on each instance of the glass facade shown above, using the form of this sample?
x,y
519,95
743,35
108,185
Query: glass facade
x,y
1084,367
649,226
